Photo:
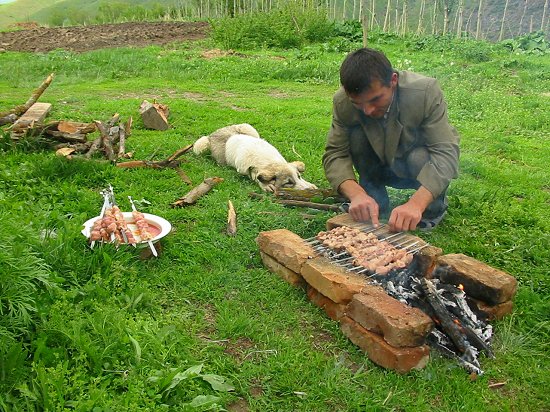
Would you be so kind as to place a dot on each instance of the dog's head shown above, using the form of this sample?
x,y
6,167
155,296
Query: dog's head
x,y
280,176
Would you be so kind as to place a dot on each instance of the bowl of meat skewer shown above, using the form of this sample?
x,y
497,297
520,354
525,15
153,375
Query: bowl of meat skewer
x,y
102,229
134,228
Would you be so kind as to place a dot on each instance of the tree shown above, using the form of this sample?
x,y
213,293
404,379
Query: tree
x,y
501,34
478,26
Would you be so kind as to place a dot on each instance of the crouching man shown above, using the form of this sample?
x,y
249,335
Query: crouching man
x,y
392,126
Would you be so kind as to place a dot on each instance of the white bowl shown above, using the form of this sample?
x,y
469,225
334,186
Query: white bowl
x,y
157,223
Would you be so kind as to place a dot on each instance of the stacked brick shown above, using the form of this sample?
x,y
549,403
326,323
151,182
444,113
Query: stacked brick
x,y
490,289
391,333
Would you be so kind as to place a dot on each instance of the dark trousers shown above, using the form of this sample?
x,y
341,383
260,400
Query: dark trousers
x,y
375,177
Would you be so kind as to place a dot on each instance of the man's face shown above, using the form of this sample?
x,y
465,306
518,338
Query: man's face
x,y
375,101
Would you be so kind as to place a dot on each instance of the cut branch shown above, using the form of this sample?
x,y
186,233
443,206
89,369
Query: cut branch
x,y
171,161
197,192
299,203
6,117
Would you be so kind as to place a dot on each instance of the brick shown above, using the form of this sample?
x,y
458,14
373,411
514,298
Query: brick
x,y
494,312
343,219
332,281
295,279
286,247
334,310
480,280
426,260
400,325
401,360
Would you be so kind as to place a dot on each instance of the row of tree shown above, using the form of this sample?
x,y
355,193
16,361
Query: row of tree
x,y
482,19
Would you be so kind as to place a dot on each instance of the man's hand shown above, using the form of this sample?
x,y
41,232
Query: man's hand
x,y
362,207
408,215
405,217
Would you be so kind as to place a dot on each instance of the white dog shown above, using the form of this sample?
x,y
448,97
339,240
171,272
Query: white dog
x,y
241,147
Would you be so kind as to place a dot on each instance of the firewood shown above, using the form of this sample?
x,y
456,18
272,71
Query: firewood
x,y
6,117
197,192
154,115
34,116
231,219
122,141
299,203
310,195
171,161
444,318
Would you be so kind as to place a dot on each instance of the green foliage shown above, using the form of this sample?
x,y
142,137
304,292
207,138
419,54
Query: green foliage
x,y
532,43
124,334
285,27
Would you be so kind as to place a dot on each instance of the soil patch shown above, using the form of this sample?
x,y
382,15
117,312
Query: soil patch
x,y
85,38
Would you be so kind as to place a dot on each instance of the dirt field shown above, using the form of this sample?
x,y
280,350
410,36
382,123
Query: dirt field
x,y
84,38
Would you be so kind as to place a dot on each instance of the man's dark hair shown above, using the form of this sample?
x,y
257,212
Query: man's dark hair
x,y
361,67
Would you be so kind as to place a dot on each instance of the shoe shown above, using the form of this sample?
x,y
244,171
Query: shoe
x,y
426,225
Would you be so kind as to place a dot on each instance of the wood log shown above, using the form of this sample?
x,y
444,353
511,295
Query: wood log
x,y
231,219
197,192
154,115
34,116
19,110
443,317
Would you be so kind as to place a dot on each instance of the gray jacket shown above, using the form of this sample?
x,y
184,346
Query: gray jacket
x,y
418,117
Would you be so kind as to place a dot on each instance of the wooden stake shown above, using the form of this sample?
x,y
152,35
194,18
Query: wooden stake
x,y
231,219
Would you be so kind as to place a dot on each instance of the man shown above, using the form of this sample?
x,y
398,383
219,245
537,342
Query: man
x,y
393,128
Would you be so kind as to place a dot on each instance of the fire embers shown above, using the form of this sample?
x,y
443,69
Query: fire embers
x,y
365,250
459,333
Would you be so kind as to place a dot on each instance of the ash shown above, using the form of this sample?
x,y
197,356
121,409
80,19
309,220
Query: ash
x,y
459,333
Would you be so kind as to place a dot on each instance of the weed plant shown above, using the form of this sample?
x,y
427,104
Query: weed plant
x,y
205,326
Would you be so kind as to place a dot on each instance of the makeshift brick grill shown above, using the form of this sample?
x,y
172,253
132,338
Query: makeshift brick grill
x,y
394,295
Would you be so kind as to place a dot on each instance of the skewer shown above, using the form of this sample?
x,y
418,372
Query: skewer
x,y
113,202
102,213
149,242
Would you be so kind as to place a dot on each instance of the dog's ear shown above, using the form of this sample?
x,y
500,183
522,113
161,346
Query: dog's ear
x,y
300,166
265,177
252,172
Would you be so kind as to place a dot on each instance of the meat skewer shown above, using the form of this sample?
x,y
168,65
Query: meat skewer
x,y
96,232
143,227
117,214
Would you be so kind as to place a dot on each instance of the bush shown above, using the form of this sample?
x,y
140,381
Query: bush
x,y
286,27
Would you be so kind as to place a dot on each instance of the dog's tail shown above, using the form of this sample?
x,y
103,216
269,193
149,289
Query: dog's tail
x,y
201,145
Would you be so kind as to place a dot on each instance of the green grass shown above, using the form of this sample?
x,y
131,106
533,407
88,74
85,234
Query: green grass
x,y
112,332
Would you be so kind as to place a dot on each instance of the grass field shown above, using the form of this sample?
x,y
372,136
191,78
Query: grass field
x,y
206,326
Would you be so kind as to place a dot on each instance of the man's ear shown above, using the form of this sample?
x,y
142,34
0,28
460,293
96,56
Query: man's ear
x,y
300,166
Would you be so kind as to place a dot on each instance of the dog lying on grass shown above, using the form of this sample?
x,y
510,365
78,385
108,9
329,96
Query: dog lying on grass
x,y
241,147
